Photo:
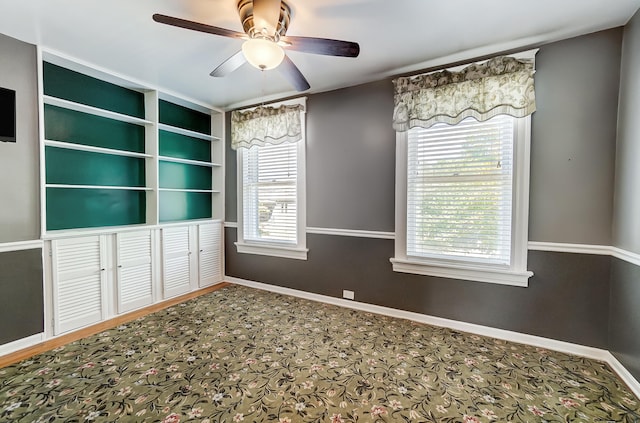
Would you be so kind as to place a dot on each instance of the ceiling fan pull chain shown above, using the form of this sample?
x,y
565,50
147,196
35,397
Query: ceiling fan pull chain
x,y
262,92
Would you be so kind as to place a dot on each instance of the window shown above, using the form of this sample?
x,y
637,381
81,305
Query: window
x,y
462,201
271,198
462,170
269,179
459,191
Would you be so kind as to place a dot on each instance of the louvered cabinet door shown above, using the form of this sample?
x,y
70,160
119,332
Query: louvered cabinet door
x,y
79,282
210,254
176,258
134,270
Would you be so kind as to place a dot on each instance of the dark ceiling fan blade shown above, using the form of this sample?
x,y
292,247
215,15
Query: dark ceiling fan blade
x,y
324,46
266,14
229,65
197,26
291,72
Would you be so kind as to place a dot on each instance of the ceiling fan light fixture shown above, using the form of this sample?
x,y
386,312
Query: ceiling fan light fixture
x,y
262,53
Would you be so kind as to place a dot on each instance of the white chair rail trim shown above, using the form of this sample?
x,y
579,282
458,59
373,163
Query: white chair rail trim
x,y
625,255
560,247
21,245
603,250
351,232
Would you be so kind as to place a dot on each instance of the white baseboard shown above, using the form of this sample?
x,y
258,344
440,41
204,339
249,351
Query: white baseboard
x,y
624,374
522,338
21,344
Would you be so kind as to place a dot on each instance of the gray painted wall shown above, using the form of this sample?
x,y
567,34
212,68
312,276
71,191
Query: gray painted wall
x,y
351,148
350,185
573,139
21,293
567,299
21,298
230,177
624,320
19,162
626,225
349,138
351,158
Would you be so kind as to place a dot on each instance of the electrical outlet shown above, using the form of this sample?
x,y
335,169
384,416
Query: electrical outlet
x,y
349,295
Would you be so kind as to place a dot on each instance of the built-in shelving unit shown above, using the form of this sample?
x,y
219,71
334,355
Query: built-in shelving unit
x,y
118,153
132,192
95,156
185,163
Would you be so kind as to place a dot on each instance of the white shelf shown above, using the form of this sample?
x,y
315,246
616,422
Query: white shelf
x,y
194,134
150,155
54,101
90,148
98,187
187,161
212,191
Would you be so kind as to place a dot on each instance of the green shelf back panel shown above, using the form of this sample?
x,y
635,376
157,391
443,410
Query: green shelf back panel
x,y
74,167
184,176
70,126
70,208
184,147
183,117
175,205
74,86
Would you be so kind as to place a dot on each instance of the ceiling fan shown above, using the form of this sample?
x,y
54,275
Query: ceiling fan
x,y
265,24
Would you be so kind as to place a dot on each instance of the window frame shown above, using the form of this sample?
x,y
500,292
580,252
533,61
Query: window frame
x,y
273,248
516,273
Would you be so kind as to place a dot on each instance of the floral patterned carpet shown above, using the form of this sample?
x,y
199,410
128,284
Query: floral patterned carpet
x,y
240,354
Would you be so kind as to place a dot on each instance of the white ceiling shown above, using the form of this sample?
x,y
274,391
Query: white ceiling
x,y
396,36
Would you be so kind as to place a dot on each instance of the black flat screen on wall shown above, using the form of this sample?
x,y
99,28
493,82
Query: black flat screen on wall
x,y
7,115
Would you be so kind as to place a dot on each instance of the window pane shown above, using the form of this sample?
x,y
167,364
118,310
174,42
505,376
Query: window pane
x,y
459,191
269,187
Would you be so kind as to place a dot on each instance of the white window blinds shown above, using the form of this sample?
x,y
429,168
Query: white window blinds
x,y
269,174
459,191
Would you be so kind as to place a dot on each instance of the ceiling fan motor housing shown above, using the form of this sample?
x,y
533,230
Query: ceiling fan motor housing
x,y
245,10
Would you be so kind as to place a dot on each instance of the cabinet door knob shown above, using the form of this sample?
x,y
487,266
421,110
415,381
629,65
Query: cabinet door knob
x,y
120,266
103,269
201,251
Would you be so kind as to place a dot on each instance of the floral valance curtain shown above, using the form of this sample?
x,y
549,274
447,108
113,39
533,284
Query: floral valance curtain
x,y
502,85
266,125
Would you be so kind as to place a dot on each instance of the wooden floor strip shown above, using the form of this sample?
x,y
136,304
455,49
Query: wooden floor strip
x,y
50,344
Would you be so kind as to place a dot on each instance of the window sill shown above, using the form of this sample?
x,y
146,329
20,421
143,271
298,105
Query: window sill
x,y
471,273
273,250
